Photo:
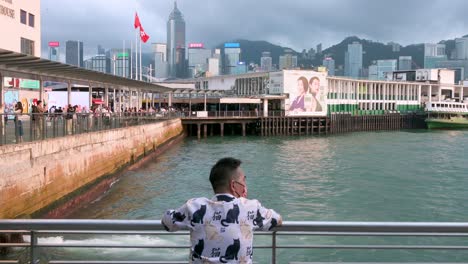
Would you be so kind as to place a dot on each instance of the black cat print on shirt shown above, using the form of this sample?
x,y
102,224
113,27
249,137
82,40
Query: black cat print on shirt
x,y
231,252
198,249
232,216
197,217
258,221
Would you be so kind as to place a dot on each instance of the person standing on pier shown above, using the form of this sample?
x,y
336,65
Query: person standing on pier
x,y
221,228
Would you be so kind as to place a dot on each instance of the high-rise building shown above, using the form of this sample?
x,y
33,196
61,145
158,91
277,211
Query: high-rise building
x,y
231,57
353,60
100,63
198,59
319,49
461,48
101,50
373,72
385,67
54,52
160,60
176,44
405,63
213,67
20,26
329,63
120,62
311,53
74,53
288,60
433,50
266,62
433,53
395,46
241,68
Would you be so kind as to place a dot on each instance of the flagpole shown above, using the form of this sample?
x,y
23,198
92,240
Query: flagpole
x,y
131,59
123,60
141,77
136,54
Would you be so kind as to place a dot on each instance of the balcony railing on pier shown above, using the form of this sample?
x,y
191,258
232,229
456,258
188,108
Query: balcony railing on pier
x,y
292,242
17,128
229,114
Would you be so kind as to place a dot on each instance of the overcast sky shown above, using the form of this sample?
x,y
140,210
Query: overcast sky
x,y
300,24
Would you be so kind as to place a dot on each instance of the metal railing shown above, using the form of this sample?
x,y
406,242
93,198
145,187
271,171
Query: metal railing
x,y
228,114
37,249
18,128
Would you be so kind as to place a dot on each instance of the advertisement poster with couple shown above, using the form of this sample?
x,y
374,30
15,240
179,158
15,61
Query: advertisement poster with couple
x,y
307,93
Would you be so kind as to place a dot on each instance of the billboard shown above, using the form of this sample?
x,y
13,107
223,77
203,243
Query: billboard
x,y
21,83
54,44
231,45
195,45
307,93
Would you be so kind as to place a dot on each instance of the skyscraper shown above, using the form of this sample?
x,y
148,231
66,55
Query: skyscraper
x,y
433,53
198,59
74,53
329,63
353,60
176,44
461,47
160,60
54,54
231,57
101,50
266,62
319,48
120,62
288,60
405,63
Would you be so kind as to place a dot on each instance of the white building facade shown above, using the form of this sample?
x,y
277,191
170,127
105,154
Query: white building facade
x,y
20,26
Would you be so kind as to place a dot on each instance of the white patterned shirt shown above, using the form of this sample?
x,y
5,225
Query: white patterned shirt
x,y
221,228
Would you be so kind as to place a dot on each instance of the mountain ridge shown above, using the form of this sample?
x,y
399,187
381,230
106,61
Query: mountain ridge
x,y
373,50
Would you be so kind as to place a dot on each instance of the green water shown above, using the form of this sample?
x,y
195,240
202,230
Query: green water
x,y
387,176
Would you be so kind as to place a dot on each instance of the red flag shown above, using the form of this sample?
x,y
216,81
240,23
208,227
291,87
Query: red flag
x,y
137,23
144,37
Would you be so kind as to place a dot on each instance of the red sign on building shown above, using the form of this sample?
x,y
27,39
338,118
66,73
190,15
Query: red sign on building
x,y
54,44
195,46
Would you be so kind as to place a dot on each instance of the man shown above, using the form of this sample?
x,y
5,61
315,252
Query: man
x,y
221,228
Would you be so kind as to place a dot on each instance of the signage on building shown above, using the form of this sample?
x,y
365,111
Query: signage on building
x,y
54,44
196,46
21,83
231,45
7,11
123,54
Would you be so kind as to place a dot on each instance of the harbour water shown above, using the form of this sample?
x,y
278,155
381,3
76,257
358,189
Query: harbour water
x,y
379,176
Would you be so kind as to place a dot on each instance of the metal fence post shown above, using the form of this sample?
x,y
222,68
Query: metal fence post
x,y
33,250
273,248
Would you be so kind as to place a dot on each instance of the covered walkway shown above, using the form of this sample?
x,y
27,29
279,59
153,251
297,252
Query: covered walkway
x,y
17,65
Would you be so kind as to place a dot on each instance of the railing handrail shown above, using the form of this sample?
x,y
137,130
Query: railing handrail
x,y
288,226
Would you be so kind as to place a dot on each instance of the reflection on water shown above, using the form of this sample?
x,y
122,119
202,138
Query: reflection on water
x,y
387,176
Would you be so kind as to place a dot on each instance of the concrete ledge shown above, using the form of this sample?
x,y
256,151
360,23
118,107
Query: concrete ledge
x,y
36,174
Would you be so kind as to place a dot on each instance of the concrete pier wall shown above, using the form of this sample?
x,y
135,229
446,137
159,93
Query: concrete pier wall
x,y
37,174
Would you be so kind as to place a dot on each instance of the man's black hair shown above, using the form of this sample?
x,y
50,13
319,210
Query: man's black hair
x,y
223,171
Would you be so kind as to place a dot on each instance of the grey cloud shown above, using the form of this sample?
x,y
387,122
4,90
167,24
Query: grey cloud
x,y
296,23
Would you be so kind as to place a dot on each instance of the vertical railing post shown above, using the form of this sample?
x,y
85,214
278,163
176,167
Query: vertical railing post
x,y
273,248
33,249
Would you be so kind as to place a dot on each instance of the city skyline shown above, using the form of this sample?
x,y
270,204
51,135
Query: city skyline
x,y
401,22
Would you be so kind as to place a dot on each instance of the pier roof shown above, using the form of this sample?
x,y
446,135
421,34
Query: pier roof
x,y
18,65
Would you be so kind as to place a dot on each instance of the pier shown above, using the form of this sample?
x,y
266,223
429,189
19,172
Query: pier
x,y
243,123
